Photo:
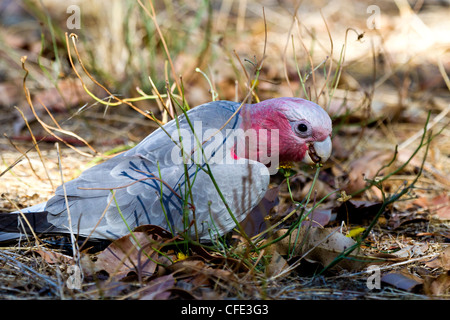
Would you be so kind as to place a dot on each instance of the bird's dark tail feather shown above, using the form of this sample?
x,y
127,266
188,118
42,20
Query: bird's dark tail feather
x,y
15,223
13,227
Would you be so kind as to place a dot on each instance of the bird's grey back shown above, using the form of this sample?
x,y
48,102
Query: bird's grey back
x,y
150,189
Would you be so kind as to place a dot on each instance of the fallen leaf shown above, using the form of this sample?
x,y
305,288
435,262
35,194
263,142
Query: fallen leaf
x,y
411,251
441,206
319,245
398,219
329,244
421,202
441,261
318,218
187,266
121,256
320,189
218,260
54,257
438,175
134,252
340,150
109,289
438,286
200,279
158,289
197,273
276,265
366,166
154,230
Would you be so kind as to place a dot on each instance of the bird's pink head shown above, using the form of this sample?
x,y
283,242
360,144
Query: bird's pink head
x,y
303,128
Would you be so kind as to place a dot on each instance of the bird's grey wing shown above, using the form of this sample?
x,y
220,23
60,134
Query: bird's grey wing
x,y
243,184
149,188
205,119
113,197
144,194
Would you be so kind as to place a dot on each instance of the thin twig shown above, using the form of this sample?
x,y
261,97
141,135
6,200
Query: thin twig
x,y
163,41
124,101
66,199
36,145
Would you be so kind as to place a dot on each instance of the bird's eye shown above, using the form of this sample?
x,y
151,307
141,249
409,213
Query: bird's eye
x,y
302,127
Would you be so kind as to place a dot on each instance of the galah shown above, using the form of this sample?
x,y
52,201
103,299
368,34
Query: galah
x,y
199,175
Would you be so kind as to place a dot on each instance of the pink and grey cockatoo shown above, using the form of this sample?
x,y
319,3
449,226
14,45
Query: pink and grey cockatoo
x,y
165,179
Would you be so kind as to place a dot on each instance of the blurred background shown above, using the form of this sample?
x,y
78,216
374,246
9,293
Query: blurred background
x,y
378,68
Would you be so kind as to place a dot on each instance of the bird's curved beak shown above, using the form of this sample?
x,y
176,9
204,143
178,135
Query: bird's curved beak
x,y
318,152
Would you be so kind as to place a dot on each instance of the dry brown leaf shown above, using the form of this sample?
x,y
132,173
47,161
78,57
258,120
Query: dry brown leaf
x,y
218,260
123,256
200,280
158,289
318,218
439,175
384,257
399,218
187,266
319,245
441,261
438,286
199,273
441,206
365,166
54,257
326,251
411,251
9,93
276,265
340,150
109,289
221,274
135,252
